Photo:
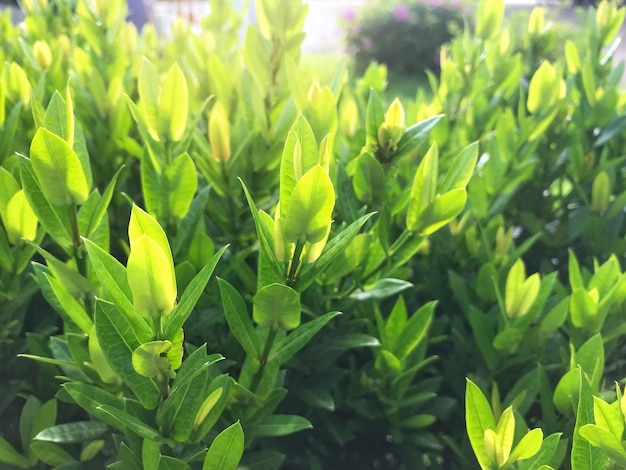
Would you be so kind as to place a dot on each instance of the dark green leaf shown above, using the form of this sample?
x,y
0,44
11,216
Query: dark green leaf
x,y
79,431
279,425
226,449
382,289
189,299
334,248
297,339
118,341
239,320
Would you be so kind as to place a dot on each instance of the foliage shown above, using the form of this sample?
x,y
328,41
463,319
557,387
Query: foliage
x,y
216,261
406,36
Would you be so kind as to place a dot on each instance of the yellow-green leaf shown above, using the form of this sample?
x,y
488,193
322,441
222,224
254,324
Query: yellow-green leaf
x,y
310,207
277,306
173,105
21,221
424,187
151,278
149,89
58,169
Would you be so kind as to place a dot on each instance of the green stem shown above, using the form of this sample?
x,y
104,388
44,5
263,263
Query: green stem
x,y
76,240
263,359
295,263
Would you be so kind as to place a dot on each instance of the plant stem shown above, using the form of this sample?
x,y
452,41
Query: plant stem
x,y
295,263
76,240
263,359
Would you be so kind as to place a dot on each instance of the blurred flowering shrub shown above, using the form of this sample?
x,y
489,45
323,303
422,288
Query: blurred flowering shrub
x,y
405,35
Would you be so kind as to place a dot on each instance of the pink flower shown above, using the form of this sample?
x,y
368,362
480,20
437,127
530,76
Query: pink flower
x,y
348,14
401,13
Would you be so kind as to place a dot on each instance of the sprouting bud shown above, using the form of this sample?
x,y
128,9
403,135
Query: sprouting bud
x,y
207,405
314,92
537,21
392,129
503,240
219,133
43,55
600,192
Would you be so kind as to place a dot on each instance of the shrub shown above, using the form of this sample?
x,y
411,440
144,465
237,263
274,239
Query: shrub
x,y
406,36
195,214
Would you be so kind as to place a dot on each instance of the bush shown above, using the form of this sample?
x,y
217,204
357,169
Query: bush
x,y
183,221
405,36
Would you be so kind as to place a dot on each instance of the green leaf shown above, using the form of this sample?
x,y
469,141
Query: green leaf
x,y
298,157
10,456
461,169
601,438
134,424
284,349
584,456
333,248
424,188
50,453
99,212
545,454
583,310
440,212
171,463
148,359
69,433
528,446
414,331
150,275
181,183
58,169
543,88
149,93
310,207
89,397
20,220
374,116
277,306
369,179
590,357
177,413
226,449
150,454
478,418
173,105
279,425
72,308
418,421
267,244
211,408
608,418
190,221
416,135
118,342
505,431
8,187
112,275
191,295
53,220
382,289
239,320
614,128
